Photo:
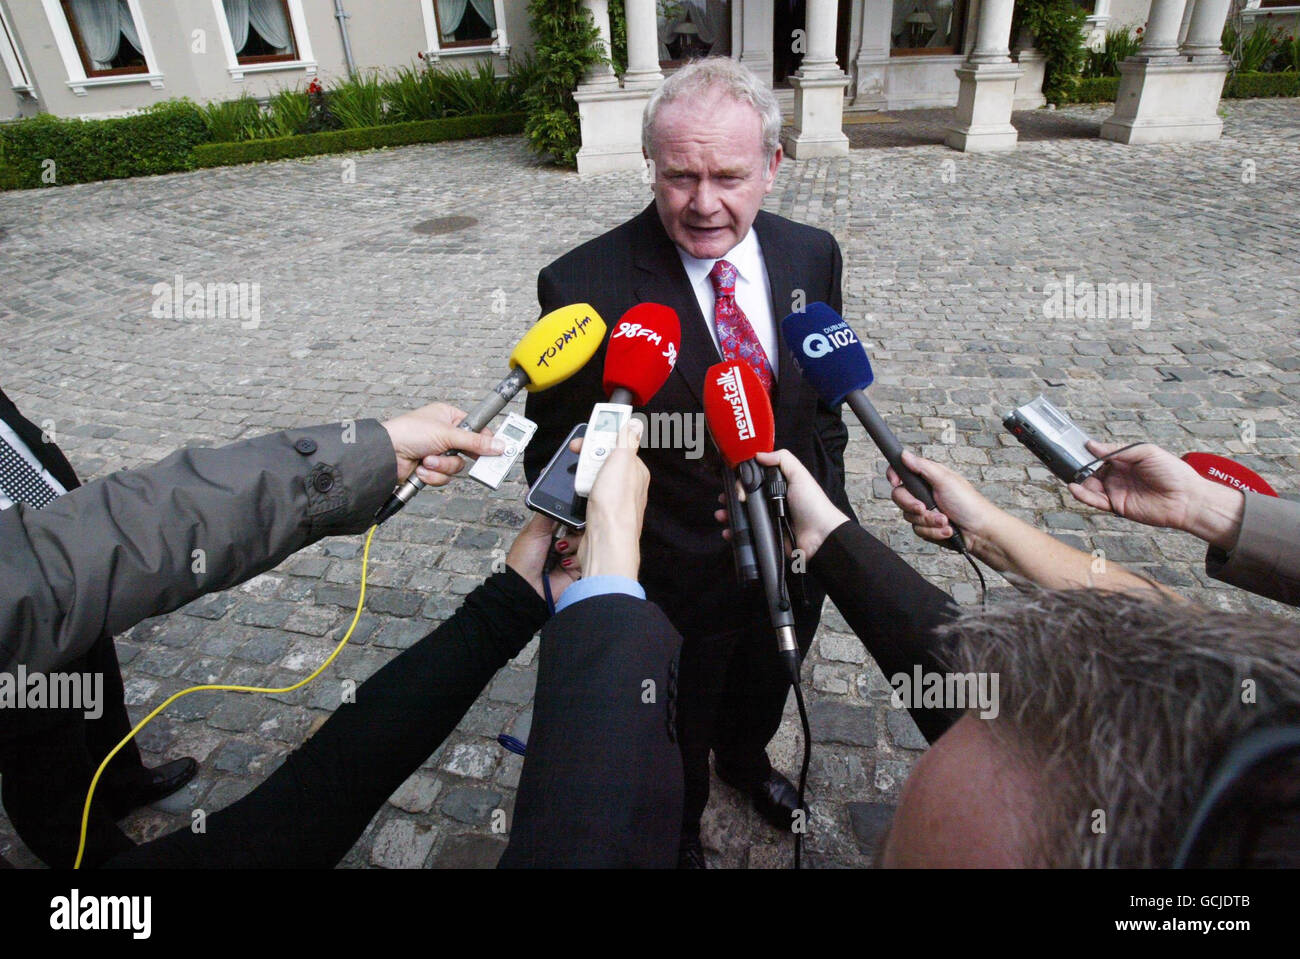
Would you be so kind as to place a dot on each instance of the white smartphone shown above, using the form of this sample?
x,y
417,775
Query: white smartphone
x,y
606,421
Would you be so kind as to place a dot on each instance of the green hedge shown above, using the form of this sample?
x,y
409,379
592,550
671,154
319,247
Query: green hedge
x,y
1095,90
1244,85
359,138
159,140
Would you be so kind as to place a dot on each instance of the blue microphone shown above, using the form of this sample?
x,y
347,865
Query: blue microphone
x,y
833,361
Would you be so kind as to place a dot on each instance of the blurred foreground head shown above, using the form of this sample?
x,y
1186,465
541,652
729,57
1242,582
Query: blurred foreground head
x,y
1118,714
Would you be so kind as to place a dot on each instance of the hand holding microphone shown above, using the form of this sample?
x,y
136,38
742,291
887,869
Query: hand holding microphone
x,y
556,347
832,360
423,438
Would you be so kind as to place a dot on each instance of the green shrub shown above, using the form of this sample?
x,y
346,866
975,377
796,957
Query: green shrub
x,y
358,101
1119,46
288,113
240,119
357,138
1249,85
1057,26
565,43
410,95
158,140
1095,90
618,35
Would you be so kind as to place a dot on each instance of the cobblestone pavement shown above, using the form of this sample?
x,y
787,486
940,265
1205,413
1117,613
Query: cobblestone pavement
x,y
947,258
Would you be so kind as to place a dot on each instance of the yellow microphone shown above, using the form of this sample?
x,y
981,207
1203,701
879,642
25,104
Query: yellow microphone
x,y
557,346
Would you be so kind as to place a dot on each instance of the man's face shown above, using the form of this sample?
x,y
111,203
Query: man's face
x,y
710,172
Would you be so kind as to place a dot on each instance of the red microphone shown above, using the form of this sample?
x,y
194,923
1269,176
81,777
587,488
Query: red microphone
x,y
741,421
641,353
639,357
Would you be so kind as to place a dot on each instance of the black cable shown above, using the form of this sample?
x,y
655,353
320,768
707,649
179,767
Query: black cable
x,y
984,587
1103,459
792,664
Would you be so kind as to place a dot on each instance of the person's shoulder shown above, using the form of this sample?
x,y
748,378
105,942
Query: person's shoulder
x,y
616,243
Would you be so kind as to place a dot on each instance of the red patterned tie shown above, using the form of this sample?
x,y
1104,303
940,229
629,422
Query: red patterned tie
x,y
736,337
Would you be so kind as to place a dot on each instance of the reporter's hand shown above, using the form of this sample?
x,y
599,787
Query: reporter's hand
x,y
812,514
1150,485
422,436
957,501
611,544
528,553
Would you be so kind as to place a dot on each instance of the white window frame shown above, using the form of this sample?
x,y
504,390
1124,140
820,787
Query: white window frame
x,y
19,75
434,49
77,79
306,61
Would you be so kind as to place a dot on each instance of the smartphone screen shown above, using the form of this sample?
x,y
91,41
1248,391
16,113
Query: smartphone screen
x,y
553,492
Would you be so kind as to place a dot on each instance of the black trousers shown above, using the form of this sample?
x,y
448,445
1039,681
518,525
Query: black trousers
x,y
47,758
732,689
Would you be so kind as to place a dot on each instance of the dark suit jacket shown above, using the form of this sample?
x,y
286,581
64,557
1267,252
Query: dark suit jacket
x,y
50,456
891,607
686,565
601,785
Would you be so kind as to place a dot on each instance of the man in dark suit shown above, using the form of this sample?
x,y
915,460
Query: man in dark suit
x,y
48,756
705,249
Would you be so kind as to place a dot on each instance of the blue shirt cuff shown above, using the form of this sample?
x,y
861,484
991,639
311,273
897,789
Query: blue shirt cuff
x,y
599,586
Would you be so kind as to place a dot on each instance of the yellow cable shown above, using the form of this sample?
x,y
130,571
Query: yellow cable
x,y
90,795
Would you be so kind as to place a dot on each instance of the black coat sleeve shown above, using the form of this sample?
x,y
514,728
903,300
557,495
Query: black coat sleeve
x,y
312,810
832,432
602,780
891,607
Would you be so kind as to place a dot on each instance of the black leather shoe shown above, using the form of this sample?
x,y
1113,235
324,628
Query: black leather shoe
x,y
150,785
690,854
775,798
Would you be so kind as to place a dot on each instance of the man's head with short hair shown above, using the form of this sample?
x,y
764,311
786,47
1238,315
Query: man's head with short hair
x,y
1115,712
712,135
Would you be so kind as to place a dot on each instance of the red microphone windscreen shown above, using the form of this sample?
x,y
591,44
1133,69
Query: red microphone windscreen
x,y
642,351
738,411
1228,472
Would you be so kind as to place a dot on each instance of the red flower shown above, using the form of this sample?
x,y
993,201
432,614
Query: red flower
x,y
314,87
1139,30
420,54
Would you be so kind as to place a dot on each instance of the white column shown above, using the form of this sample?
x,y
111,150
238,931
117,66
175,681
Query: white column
x,y
993,34
642,45
1186,21
988,85
1160,39
819,90
1205,31
873,54
756,37
1167,95
600,74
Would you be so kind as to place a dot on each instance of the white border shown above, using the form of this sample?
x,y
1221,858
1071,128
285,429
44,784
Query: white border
x,y
19,75
433,50
306,61
77,78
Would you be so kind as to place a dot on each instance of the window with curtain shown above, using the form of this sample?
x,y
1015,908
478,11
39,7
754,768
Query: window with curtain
x,y
465,22
693,28
927,27
106,37
260,30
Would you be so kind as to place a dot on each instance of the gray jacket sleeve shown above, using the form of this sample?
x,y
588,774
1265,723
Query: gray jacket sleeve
x,y
1266,557
143,542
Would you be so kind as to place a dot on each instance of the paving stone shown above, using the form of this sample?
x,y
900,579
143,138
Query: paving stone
x,y
469,805
870,822
402,844
469,851
834,722
903,731
417,794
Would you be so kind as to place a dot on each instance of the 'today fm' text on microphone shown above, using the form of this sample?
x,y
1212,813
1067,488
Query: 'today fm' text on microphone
x,y
556,347
835,364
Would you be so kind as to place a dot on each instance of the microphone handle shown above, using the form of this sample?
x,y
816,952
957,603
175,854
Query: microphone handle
x,y
888,444
742,537
621,395
768,551
478,418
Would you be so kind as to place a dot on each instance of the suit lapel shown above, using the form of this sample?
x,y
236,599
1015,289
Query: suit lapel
x,y
779,259
664,280
49,455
